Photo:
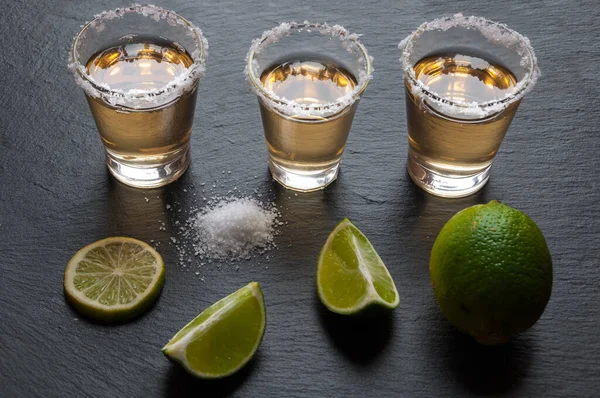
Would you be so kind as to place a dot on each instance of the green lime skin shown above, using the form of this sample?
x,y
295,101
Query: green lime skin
x,y
491,272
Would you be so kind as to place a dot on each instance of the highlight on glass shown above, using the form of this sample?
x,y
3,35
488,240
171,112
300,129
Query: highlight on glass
x,y
464,79
139,68
308,78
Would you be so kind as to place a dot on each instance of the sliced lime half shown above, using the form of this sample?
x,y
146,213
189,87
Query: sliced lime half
x,y
114,279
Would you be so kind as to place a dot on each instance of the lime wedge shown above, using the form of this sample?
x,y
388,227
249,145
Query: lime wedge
x,y
350,274
224,337
114,279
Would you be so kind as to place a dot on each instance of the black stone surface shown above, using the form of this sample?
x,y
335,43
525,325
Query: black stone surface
x,y
56,197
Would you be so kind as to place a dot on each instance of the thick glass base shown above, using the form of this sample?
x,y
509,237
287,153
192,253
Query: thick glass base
x,y
444,185
148,175
301,180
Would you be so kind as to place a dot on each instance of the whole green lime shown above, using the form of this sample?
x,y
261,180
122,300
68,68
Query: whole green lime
x,y
491,272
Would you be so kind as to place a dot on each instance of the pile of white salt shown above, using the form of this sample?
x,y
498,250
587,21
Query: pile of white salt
x,y
233,229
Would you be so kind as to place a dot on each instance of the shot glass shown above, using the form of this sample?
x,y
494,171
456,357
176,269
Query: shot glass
x,y
309,78
464,79
139,68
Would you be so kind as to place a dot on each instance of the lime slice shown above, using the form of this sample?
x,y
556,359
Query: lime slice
x,y
224,337
114,279
350,274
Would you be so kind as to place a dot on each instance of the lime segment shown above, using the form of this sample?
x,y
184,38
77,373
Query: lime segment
x,y
350,274
114,279
224,337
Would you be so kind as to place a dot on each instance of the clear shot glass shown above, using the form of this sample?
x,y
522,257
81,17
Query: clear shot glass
x,y
139,67
308,78
464,79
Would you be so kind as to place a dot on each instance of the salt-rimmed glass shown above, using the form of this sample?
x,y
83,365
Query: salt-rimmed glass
x,y
305,140
452,142
146,132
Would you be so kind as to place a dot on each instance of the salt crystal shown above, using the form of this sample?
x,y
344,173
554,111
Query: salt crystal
x,y
495,33
348,41
168,207
232,228
137,98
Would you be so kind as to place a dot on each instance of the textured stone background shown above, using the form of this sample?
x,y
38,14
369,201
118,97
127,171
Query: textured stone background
x,y
56,197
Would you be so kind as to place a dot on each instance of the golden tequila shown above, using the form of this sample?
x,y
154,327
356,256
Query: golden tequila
x,y
146,137
301,145
465,77
446,144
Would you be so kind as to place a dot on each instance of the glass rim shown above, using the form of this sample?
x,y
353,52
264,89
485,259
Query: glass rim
x,y
350,42
155,96
494,32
